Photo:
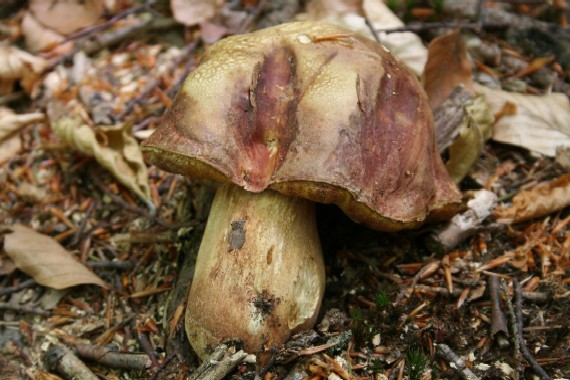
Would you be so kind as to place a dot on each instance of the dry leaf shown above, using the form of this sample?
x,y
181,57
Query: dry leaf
x,y
67,16
474,130
192,12
10,124
350,14
113,147
446,68
44,259
537,202
540,123
406,46
38,37
17,65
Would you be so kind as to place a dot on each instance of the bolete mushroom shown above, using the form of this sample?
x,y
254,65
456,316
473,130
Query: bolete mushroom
x,y
283,117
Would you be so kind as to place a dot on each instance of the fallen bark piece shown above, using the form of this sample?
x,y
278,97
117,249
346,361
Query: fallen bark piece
x,y
539,201
499,328
220,363
63,361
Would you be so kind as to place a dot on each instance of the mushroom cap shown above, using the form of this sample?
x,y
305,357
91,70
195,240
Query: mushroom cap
x,y
313,110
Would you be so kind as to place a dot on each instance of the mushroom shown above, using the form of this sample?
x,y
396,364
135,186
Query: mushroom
x,y
283,117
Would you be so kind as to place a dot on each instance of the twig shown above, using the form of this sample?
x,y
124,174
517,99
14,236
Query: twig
x,y
519,321
162,366
414,28
81,229
154,83
499,329
465,224
108,357
116,36
219,364
147,347
121,264
146,7
438,290
514,326
269,363
24,309
20,286
458,364
63,360
138,210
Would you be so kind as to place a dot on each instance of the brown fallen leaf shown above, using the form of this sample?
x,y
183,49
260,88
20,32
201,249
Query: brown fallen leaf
x,y
44,259
113,147
474,130
38,36
192,12
446,68
10,124
67,16
539,201
537,123
356,14
18,66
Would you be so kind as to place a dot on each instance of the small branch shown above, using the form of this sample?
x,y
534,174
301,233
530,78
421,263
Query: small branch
x,y
458,364
121,264
146,7
514,326
519,321
219,364
147,347
24,309
138,210
20,286
63,361
115,359
114,37
145,93
162,366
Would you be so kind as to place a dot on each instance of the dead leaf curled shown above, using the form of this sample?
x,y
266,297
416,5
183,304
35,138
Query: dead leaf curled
x,y
538,201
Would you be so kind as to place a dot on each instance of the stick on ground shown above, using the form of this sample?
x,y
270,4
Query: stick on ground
x,y
219,364
457,363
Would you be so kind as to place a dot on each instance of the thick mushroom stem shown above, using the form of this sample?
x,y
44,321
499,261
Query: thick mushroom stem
x,y
259,273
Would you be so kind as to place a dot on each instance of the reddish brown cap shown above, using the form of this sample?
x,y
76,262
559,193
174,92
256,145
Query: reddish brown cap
x,y
312,110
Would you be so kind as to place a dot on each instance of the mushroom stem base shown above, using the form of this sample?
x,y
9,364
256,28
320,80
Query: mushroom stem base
x,y
259,273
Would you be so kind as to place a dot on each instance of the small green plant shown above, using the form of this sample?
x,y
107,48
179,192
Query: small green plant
x,y
362,329
416,362
382,300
